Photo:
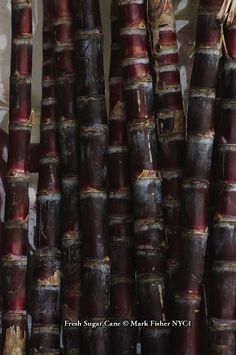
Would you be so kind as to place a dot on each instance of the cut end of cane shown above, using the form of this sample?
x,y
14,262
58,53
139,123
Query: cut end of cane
x,y
15,341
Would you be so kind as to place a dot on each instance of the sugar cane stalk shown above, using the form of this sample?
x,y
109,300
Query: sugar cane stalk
x,y
223,290
93,166
3,166
200,136
14,255
69,154
170,123
150,245
47,258
120,206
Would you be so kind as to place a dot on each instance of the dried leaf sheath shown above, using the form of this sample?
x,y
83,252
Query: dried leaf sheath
x,y
200,136
121,233
14,255
69,155
170,122
47,258
147,198
93,166
223,285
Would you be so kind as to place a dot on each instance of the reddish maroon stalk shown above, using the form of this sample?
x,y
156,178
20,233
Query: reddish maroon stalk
x,y
150,242
213,193
93,184
68,139
3,167
14,255
123,300
34,158
45,312
223,286
200,136
170,123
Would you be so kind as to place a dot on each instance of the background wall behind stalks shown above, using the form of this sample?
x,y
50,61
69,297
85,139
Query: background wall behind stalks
x,y
186,13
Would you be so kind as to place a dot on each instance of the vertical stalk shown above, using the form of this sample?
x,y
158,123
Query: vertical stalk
x,y
69,154
223,286
150,245
170,124
3,167
200,137
213,193
47,258
123,300
93,164
34,158
14,255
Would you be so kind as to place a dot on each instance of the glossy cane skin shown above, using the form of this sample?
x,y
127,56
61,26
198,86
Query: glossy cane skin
x,y
14,253
45,310
150,245
199,147
121,232
170,124
93,139
64,51
223,286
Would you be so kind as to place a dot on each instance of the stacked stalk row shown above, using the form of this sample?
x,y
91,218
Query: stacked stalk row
x,y
14,254
69,155
120,206
200,136
93,166
223,290
170,123
150,246
47,258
